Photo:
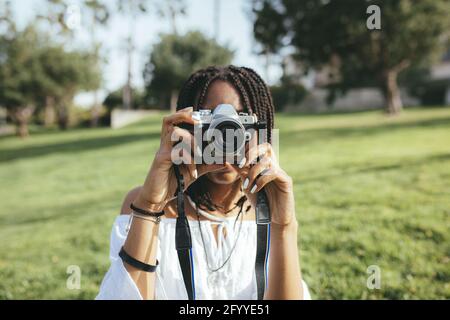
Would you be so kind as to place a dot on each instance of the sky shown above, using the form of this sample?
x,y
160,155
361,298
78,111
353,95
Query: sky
x,y
235,31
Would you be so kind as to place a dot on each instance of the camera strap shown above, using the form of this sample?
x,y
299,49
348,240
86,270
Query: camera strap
x,y
263,219
183,240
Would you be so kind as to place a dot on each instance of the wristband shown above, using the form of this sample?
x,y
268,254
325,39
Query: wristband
x,y
155,220
145,212
136,263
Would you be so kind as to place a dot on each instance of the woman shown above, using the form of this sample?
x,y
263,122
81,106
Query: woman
x,y
219,203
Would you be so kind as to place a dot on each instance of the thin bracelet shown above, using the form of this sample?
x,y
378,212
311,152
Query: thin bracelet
x,y
136,263
156,220
145,212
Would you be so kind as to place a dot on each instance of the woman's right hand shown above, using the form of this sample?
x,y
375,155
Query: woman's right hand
x,y
160,184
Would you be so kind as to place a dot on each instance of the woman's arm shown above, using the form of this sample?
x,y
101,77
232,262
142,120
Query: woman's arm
x,y
263,171
158,189
284,279
159,186
141,244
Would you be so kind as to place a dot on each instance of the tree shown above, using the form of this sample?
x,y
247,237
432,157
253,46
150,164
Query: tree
x,y
172,9
132,8
33,70
174,58
19,74
412,33
65,73
99,17
95,13
114,100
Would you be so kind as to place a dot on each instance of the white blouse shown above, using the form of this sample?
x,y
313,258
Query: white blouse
x,y
236,280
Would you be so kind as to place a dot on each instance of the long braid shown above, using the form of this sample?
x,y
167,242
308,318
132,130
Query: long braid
x,y
255,97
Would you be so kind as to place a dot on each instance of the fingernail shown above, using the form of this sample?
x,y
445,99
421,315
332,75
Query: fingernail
x,y
253,189
242,163
245,185
195,174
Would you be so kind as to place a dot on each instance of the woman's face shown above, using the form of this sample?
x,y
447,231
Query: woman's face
x,y
222,92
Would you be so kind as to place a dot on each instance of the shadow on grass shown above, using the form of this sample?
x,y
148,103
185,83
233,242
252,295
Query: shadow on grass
x,y
74,146
377,168
54,212
312,135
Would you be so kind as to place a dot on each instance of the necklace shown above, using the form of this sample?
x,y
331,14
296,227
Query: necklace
x,y
203,240
204,213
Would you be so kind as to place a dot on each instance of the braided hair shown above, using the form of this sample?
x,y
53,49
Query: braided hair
x,y
255,98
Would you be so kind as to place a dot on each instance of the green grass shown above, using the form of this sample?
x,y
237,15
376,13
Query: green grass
x,y
370,190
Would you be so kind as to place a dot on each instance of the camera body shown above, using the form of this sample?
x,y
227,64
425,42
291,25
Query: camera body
x,y
223,133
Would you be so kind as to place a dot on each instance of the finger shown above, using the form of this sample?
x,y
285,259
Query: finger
x,y
241,164
256,152
185,137
186,160
191,168
174,135
262,180
179,117
257,170
187,167
187,109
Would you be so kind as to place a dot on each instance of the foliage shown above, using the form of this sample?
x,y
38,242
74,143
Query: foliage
x,y
66,73
287,94
19,68
335,32
360,201
420,84
115,100
95,12
175,57
32,69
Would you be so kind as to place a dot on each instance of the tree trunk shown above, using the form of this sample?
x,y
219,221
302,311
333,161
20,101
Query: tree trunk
x,y
63,117
49,111
21,116
126,96
267,66
22,129
173,101
95,111
394,103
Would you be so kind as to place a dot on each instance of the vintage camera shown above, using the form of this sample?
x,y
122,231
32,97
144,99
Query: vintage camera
x,y
223,133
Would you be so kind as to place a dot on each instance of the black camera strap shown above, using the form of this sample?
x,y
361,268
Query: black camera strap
x,y
262,242
183,241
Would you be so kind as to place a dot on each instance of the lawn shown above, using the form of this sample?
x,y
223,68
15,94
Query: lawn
x,y
370,190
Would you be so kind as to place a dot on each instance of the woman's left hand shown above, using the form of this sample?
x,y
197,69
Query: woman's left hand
x,y
261,170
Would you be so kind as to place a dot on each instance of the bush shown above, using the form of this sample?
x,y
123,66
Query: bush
x,y
287,94
114,100
432,93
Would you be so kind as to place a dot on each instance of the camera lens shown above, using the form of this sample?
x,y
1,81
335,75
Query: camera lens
x,y
230,137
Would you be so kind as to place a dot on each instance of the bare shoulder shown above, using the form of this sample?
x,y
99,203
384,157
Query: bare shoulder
x,y
129,198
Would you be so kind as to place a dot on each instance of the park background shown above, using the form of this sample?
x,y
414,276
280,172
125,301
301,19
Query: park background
x,y
363,112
